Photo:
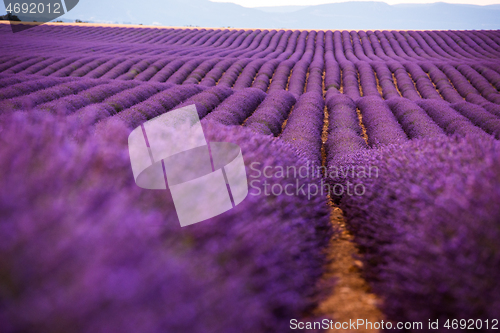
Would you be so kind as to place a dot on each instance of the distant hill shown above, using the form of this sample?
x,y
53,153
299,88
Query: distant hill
x,y
281,9
348,15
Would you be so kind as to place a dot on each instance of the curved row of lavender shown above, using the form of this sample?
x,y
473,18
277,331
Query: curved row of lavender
x,y
422,107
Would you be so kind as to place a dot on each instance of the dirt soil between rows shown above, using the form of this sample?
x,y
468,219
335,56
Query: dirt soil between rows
x,y
350,298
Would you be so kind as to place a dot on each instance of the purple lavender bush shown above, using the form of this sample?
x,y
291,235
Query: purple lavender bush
x,y
268,118
344,130
238,107
381,125
428,227
137,114
414,120
85,250
304,126
449,119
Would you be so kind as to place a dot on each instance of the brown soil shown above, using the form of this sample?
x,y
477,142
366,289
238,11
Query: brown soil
x,y
396,84
362,125
379,87
350,298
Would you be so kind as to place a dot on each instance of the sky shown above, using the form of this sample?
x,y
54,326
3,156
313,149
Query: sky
x,y
269,3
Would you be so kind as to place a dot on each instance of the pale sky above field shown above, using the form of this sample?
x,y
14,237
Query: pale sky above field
x,y
267,3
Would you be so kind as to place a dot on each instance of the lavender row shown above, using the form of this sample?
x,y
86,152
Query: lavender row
x,y
248,74
442,83
414,120
367,79
152,70
70,68
135,70
13,62
232,73
304,126
10,80
448,118
427,210
381,126
163,271
214,75
82,71
48,94
344,130
191,39
116,103
238,107
268,118
100,70
297,83
26,86
406,85
208,100
154,106
264,75
37,67
332,68
385,80
280,77
182,73
482,85
72,103
480,117
23,65
424,85
199,73
315,76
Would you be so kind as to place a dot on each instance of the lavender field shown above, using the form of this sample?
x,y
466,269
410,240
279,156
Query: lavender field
x,y
83,249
